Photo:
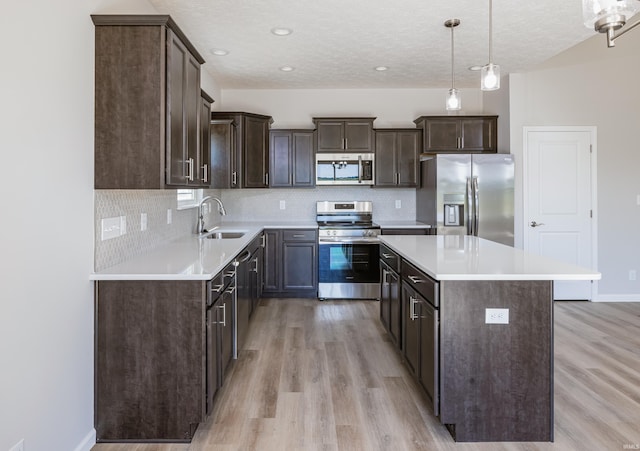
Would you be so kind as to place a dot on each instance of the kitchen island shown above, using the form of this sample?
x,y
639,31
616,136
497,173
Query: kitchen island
x,y
477,332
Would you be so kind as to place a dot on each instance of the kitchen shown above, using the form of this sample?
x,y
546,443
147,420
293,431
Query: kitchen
x,y
58,342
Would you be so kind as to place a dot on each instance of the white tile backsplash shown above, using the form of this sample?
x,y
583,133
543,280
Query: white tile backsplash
x,y
131,204
241,205
300,204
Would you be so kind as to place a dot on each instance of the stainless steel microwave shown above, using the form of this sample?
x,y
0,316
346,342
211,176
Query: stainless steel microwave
x,y
345,168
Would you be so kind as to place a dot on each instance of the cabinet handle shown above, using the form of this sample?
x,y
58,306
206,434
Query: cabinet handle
x,y
415,279
255,268
412,308
231,290
217,289
385,255
234,178
344,143
298,236
230,274
205,175
462,142
385,280
397,178
264,240
224,315
266,179
189,169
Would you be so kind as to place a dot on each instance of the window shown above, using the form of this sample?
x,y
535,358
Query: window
x,y
188,198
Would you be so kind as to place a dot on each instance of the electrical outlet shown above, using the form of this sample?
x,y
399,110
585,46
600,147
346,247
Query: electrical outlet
x,y
169,215
123,225
398,203
632,274
110,228
143,221
283,205
18,446
496,316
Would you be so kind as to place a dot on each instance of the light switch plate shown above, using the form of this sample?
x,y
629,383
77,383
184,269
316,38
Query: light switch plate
x,y
496,316
143,221
123,225
169,216
283,205
398,203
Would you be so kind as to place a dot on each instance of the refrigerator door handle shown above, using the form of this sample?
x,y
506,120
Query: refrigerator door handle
x,y
470,216
476,207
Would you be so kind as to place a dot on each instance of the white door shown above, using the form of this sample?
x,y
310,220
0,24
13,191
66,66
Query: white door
x,y
559,190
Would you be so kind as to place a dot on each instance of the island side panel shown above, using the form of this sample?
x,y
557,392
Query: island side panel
x,y
150,368
497,379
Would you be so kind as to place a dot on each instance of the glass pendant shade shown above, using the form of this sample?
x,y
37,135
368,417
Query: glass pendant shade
x,y
490,77
453,100
490,73
604,14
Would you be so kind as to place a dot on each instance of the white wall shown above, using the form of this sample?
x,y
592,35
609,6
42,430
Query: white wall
x,y
295,108
595,86
46,299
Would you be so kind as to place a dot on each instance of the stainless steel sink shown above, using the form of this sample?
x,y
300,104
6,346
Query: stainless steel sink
x,y
224,235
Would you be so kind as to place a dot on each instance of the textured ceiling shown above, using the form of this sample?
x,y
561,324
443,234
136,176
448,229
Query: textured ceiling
x,y
337,43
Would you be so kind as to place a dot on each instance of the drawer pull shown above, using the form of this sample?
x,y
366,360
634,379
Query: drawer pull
x,y
387,255
224,315
415,279
298,236
217,289
412,309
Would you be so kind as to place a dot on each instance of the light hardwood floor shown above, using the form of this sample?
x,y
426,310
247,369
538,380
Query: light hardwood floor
x,y
323,376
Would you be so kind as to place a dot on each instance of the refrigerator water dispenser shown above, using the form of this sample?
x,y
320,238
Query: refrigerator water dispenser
x,y
453,214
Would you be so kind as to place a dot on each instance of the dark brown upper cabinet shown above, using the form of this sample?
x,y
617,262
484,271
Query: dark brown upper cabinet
x,y
240,150
291,157
458,133
344,134
204,156
397,156
147,104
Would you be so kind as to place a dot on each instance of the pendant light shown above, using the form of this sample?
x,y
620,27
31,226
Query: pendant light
x,y
490,73
608,16
453,98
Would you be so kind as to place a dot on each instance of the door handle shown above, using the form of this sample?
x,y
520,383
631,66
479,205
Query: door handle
x,y
536,224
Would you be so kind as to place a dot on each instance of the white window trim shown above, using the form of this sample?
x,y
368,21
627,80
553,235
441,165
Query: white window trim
x,y
188,198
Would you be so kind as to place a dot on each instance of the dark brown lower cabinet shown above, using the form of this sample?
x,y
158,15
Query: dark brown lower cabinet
x,y
162,351
390,302
150,370
291,263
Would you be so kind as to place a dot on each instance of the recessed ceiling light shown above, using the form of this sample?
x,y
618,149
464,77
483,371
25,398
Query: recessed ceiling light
x,y
279,31
381,68
219,52
475,68
287,68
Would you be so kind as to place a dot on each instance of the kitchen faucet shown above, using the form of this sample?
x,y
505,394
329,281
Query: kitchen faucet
x,y
200,226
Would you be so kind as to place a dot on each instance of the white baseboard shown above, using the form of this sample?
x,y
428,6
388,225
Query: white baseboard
x,y
87,443
617,298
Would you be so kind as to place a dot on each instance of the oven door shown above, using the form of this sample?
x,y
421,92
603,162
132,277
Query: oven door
x,y
348,262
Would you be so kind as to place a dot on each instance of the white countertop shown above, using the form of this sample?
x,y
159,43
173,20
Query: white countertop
x,y
191,257
454,257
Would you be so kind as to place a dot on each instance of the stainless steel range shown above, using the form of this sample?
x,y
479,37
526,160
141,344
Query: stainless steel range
x,y
348,250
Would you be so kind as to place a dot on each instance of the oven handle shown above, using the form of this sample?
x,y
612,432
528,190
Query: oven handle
x,y
369,241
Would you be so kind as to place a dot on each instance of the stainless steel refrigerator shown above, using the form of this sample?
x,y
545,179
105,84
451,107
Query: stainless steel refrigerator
x,y
467,194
